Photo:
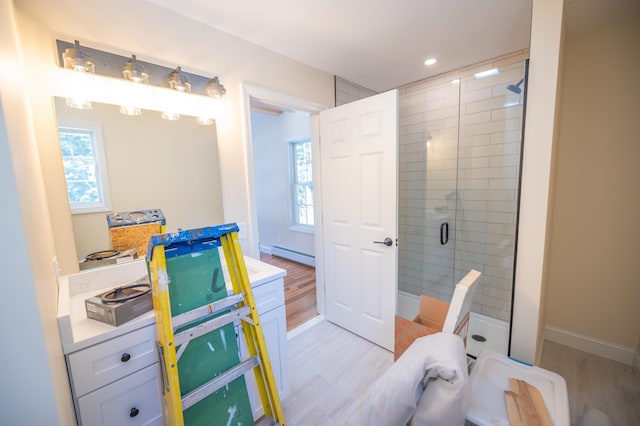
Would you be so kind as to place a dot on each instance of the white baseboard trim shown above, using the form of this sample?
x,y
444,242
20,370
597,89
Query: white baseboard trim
x,y
591,345
296,256
265,249
304,327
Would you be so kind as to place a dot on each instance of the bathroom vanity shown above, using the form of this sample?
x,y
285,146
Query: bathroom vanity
x,y
114,371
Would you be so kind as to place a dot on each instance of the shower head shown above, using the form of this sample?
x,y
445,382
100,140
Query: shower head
x,y
515,88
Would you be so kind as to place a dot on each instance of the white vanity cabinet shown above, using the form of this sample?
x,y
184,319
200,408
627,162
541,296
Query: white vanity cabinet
x,y
118,380
114,372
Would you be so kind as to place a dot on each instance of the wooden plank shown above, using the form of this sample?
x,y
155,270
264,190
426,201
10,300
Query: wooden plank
x,y
513,408
525,405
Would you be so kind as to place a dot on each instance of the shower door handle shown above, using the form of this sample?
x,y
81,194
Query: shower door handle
x,y
387,242
444,233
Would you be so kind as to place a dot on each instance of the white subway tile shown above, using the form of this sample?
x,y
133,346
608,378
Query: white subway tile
x,y
501,229
475,118
510,136
409,119
503,183
505,160
491,127
469,96
442,113
478,140
412,99
507,112
499,271
473,184
501,314
415,128
502,206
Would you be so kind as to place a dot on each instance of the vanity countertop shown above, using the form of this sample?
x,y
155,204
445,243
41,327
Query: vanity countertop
x,y
78,332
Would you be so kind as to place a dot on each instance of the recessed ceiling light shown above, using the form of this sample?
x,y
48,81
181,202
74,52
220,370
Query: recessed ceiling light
x,y
487,73
430,61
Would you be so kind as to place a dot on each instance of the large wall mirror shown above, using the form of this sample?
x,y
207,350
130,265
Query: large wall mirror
x,y
151,163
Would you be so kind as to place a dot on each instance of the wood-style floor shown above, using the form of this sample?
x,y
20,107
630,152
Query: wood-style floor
x,y
332,369
299,290
594,382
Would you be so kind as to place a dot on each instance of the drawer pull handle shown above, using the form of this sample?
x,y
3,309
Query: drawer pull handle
x,y
134,412
124,358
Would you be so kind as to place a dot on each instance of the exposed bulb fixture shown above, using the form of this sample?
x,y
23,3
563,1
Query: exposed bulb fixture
x,y
78,60
177,81
135,72
169,115
215,89
205,121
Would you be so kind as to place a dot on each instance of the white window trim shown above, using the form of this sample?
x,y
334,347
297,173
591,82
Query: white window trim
x,y
294,226
103,174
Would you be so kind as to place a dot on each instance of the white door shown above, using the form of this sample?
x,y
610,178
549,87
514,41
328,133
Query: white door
x,y
358,144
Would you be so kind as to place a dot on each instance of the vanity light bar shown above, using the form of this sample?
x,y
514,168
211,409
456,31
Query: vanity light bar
x,y
106,87
116,91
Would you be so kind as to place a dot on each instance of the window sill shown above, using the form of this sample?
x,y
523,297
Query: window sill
x,y
86,210
307,229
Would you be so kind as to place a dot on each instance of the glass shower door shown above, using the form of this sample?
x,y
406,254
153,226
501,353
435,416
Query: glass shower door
x,y
460,149
429,115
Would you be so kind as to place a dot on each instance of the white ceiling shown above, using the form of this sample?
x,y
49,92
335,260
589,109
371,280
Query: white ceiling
x,y
379,44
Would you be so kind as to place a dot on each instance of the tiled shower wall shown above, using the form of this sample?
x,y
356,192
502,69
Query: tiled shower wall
x,y
459,164
347,91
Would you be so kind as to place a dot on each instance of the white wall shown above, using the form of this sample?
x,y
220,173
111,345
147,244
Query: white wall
x,y
537,185
271,135
33,376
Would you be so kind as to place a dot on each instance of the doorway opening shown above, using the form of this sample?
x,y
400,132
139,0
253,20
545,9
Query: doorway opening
x,y
280,151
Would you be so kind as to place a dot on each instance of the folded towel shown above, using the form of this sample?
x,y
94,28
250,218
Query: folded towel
x,y
427,385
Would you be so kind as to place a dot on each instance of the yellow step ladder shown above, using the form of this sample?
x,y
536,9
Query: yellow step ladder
x,y
203,375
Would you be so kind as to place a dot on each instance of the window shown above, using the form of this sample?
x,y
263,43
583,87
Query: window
x,y
302,184
85,169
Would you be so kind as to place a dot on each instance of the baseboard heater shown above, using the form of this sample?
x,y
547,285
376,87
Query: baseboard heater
x,y
293,255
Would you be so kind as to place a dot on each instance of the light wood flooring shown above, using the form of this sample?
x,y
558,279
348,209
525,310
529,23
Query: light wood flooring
x,y
331,370
299,290
594,382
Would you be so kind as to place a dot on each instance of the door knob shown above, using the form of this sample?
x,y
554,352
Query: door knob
x,y
387,242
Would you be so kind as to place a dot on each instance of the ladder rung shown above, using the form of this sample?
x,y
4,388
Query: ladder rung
x,y
212,324
266,421
223,379
203,311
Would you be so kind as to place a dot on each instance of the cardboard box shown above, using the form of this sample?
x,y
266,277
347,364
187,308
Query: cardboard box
x,y
430,319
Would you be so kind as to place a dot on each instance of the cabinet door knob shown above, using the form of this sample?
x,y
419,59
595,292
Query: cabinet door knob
x,y
134,412
125,357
